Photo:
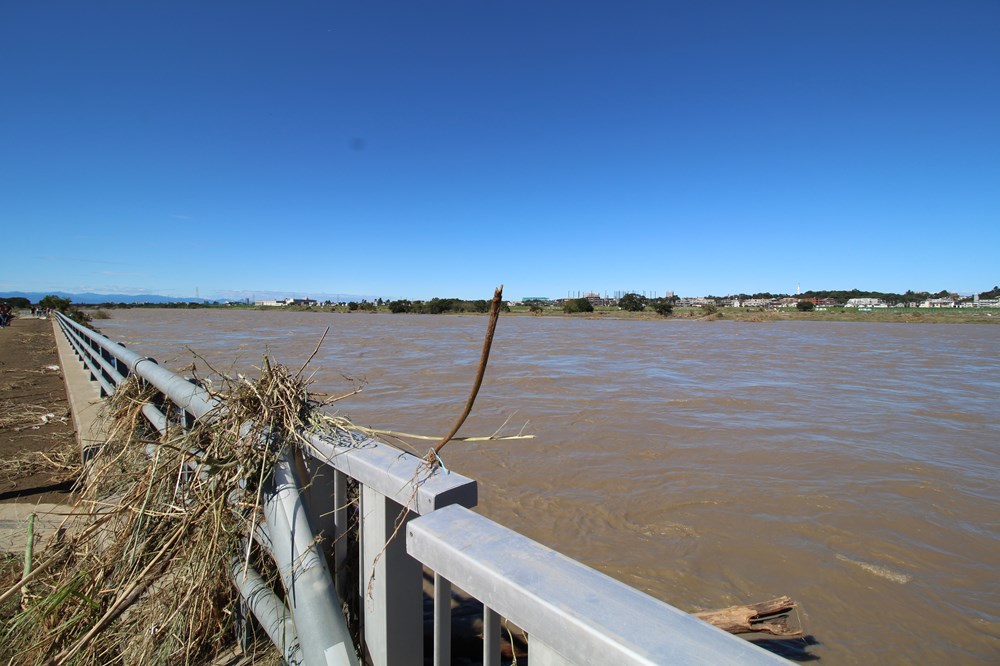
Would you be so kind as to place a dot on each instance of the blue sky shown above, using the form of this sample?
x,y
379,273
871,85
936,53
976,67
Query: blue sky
x,y
418,149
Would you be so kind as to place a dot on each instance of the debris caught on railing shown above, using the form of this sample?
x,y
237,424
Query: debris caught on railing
x,y
142,576
142,570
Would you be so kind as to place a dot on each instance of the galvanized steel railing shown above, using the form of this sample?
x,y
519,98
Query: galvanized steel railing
x,y
572,613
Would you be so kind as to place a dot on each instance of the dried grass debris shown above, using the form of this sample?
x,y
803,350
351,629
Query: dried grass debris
x,y
144,580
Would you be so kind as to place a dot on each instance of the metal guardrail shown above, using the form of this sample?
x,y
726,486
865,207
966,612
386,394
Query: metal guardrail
x,y
572,613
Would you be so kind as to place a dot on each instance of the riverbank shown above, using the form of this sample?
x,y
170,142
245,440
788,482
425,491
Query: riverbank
x,y
883,315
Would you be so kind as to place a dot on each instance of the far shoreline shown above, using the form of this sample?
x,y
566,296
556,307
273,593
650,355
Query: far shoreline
x,y
753,315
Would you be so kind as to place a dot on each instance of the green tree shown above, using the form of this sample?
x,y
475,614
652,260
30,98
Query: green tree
x,y
352,306
663,307
437,305
632,302
55,302
17,302
805,306
577,305
400,306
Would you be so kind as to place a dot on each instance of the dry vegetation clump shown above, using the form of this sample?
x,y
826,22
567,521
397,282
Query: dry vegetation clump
x,y
10,572
142,577
65,462
20,416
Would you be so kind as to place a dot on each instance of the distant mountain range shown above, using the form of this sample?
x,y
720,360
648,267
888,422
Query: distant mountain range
x,y
93,299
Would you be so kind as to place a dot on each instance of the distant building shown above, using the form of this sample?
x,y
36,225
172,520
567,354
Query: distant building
x,y
285,301
938,303
865,303
756,302
695,302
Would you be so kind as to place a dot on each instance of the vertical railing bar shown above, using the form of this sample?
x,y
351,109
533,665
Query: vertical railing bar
x,y
362,566
491,637
341,529
391,585
442,620
327,496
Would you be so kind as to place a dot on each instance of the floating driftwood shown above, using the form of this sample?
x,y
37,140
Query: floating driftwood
x,y
770,617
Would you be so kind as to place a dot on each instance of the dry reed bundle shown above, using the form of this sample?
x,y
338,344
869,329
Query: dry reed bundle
x,y
143,579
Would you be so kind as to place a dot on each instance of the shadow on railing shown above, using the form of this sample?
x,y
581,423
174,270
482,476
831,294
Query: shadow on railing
x,y
407,516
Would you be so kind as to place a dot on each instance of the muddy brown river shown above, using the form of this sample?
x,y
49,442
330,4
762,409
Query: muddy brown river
x,y
852,466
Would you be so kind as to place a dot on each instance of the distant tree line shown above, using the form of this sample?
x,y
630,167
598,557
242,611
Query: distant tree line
x,y
440,306
57,303
172,305
635,303
842,295
907,297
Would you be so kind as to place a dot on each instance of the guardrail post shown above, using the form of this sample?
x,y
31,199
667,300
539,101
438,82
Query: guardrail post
x,y
491,637
391,585
328,503
341,528
442,620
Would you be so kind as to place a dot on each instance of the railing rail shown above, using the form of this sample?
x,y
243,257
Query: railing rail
x,y
572,613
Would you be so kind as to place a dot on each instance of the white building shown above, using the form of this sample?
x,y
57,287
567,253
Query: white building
x,y
285,301
938,303
865,303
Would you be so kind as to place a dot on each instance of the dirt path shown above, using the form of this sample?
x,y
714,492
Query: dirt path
x,y
34,415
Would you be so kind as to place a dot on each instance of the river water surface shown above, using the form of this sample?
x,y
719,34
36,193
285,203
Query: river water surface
x,y
853,466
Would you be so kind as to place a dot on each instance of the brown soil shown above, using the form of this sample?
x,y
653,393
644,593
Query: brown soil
x,y
34,415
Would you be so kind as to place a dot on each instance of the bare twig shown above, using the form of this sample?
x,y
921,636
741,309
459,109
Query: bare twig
x,y
315,351
484,358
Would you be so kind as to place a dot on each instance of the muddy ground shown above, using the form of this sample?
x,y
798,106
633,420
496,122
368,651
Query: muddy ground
x,y
35,420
